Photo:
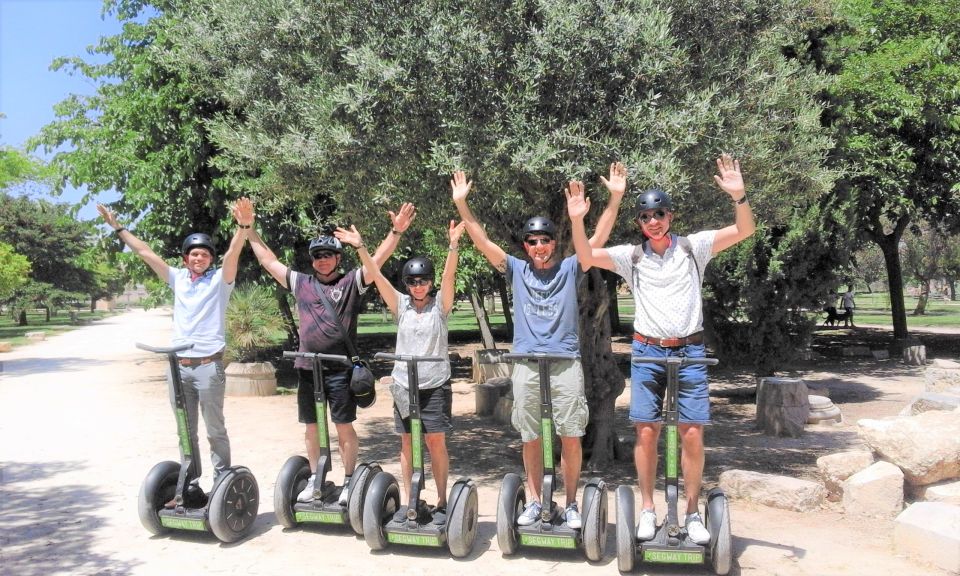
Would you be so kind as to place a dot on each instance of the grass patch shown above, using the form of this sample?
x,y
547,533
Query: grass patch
x,y
37,322
875,309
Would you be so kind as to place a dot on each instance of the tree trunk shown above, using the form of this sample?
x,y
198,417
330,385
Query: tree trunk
x,y
611,278
46,310
93,304
952,286
505,301
476,300
293,337
603,381
889,245
921,308
22,319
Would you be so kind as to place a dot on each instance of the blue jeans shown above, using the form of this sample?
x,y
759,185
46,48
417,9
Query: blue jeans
x,y
204,385
648,383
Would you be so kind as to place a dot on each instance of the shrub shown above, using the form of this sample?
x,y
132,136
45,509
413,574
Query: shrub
x,y
254,324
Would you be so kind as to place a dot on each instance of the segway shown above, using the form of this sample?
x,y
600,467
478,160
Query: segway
x,y
670,543
230,508
550,530
418,527
325,508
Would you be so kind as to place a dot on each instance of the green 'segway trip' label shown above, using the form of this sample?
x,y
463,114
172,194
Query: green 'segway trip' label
x,y
182,523
319,516
182,430
413,539
671,451
672,557
544,541
322,425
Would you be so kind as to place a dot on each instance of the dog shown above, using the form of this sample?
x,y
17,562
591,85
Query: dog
x,y
834,317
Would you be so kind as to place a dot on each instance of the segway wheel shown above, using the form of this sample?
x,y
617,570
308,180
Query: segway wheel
x,y
359,484
509,507
462,521
626,530
718,524
381,502
157,489
292,479
234,504
595,519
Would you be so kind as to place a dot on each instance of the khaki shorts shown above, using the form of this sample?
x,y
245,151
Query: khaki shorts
x,y
570,412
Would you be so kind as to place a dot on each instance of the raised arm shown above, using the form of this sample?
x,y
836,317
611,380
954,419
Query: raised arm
x,y
242,211
400,220
577,207
387,292
730,181
617,186
493,253
448,282
264,255
137,246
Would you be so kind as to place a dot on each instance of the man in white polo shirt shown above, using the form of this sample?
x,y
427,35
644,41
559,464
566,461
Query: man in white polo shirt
x,y
200,295
665,274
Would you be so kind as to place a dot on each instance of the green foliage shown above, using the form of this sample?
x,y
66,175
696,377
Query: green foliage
x,y
14,270
253,324
17,167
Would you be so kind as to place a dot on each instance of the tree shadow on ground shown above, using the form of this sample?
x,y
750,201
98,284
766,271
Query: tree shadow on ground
x,y
61,516
24,366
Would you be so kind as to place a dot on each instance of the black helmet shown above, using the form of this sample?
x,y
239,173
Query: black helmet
x,y
325,243
539,225
198,240
418,267
653,199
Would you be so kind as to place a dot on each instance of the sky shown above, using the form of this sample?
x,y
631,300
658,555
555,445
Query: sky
x,y
32,34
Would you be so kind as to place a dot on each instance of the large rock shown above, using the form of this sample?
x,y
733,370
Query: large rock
x,y
926,446
772,490
489,393
930,532
782,406
931,401
947,492
876,491
943,376
835,468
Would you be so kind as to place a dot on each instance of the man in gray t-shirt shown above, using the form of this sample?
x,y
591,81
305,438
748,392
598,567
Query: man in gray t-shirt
x,y
665,273
545,298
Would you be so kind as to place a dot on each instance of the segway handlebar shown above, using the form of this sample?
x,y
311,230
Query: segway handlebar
x,y
540,355
163,349
676,360
324,357
408,357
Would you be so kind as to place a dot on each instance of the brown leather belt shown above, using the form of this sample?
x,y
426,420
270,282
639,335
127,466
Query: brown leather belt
x,y
191,362
695,338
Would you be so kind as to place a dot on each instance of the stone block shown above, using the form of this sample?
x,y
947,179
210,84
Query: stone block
x,y
931,401
926,447
856,351
772,490
823,410
876,491
942,376
880,354
915,355
36,336
835,468
250,379
5,347
930,532
488,393
487,364
947,492
782,406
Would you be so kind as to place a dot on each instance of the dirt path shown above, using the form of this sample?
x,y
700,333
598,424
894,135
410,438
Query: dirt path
x,y
84,415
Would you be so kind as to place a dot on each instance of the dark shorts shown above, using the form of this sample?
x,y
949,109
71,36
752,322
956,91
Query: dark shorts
x,y
336,385
436,405
648,384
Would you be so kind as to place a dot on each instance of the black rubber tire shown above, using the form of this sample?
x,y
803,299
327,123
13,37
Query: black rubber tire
x,y
382,500
509,506
594,532
234,504
463,508
158,488
717,519
626,530
293,478
359,484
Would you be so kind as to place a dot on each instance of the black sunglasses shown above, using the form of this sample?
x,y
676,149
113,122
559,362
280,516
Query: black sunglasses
x,y
659,214
416,281
535,241
322,255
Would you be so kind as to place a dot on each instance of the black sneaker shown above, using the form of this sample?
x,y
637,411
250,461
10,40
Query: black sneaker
x,y
440,515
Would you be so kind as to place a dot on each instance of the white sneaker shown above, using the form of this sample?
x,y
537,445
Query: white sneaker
x,y
345,492
696,530
647,525
572,516
530,514
306,495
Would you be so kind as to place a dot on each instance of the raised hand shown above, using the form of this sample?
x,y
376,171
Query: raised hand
x,y
401,220
577,203
730,179
108,216
351,236
617,184
460,185
243,212
456,231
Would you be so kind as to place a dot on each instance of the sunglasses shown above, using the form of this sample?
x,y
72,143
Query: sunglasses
x,y
324,255
416,282
535,241
659,214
